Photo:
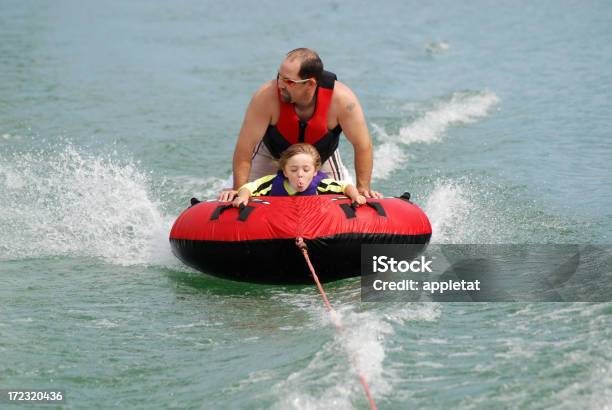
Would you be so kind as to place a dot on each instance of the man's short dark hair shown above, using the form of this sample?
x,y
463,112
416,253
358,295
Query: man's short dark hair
x,y
311,65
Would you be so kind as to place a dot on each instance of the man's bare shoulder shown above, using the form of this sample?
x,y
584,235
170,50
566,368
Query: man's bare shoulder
x,y
341,90
266,93
344,99
264,103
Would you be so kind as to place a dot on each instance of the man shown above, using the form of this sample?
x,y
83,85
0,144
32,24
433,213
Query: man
x,y
304,104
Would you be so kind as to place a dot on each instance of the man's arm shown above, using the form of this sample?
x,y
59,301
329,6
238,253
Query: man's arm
x,y
353,123
256,120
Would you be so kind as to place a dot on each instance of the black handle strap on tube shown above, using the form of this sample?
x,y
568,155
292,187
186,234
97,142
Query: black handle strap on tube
x,y
243,214
219,210
245,211
405,196
351,210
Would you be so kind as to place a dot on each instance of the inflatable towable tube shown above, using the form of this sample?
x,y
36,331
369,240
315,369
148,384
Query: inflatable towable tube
x,y
257,243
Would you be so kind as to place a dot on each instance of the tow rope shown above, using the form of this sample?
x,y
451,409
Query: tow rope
x,y
299,242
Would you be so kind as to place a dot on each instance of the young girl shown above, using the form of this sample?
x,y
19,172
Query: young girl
x,y
298,174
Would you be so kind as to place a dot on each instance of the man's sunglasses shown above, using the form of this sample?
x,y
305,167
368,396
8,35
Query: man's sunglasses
x,y
289,81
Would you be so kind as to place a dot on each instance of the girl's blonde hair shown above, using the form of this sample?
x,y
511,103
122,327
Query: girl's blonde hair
x,y
300,148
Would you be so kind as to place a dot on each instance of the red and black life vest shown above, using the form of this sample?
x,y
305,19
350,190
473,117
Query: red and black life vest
x,y
289,129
